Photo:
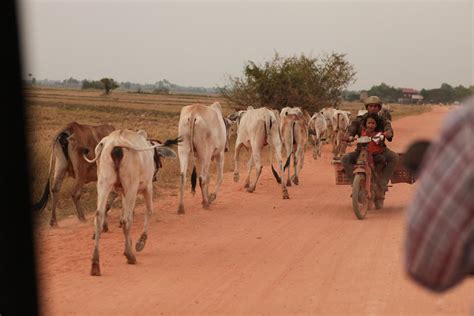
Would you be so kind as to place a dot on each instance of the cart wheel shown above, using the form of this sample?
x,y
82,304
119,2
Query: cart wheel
x,y
359,196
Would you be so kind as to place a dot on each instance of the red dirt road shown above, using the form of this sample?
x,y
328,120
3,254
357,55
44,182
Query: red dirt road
x,y
251,253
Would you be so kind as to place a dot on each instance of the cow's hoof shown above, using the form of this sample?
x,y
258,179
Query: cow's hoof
x,y
82,219
212,197
236,177
246,185
288,183
95,269
105,228
53,223
141,243
131,259
295,180
205,205
250,189
181,210
286,196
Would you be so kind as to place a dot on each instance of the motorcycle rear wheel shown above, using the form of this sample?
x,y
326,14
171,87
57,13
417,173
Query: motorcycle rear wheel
x,y
360,202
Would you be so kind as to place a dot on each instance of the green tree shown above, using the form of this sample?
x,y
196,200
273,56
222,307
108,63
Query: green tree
x,y
109,84
86,84
386,93
461,92
71,81
351,95
310,83
447,94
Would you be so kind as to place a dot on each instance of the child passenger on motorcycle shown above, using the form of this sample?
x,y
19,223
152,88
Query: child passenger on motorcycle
x,y
373,128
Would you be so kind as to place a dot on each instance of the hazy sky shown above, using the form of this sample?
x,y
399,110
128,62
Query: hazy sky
x,y
416,44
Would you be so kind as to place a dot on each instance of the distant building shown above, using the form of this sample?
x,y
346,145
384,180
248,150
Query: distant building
x,y
410,96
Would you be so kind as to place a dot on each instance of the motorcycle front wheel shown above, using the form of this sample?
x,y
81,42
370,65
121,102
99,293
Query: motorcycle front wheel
x,y
360,202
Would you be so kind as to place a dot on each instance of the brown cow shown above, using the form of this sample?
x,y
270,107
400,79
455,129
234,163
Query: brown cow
x,y
73,140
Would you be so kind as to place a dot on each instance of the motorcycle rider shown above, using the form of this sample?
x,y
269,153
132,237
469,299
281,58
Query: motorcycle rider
x,y
373,104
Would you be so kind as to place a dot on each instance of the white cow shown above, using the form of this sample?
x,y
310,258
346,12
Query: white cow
x,y
340,123
126,165
258,128
328,113
203,132
319,125
294,124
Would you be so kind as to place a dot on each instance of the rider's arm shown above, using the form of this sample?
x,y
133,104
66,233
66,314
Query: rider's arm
x,y
439,245
388,130
353,128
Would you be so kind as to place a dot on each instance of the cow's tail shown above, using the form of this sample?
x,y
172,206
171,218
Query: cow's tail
x,y
41,204
61,138
98,151
292,138
192,123
117,155
275,174
268,126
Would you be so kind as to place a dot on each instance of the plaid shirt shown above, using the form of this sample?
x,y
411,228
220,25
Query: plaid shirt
x,y
439,245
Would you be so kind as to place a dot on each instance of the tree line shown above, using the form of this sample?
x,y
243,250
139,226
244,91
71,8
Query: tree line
x,y
444,94
108,84
298,80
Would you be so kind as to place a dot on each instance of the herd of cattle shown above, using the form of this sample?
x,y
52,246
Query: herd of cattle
x,y
126,162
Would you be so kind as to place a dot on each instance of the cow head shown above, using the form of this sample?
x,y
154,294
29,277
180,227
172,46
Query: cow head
x,y
237,116
228,124
162,151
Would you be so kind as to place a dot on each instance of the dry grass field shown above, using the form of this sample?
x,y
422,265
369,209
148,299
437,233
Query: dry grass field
x,y
50,109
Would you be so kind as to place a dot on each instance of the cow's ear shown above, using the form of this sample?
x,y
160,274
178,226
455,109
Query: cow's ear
x,y
166,152
233,116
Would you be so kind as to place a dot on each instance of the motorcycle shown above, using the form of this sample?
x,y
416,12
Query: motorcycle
x,y
367,193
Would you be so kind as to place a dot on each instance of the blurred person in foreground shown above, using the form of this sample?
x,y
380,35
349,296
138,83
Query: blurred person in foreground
x,y
439,241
